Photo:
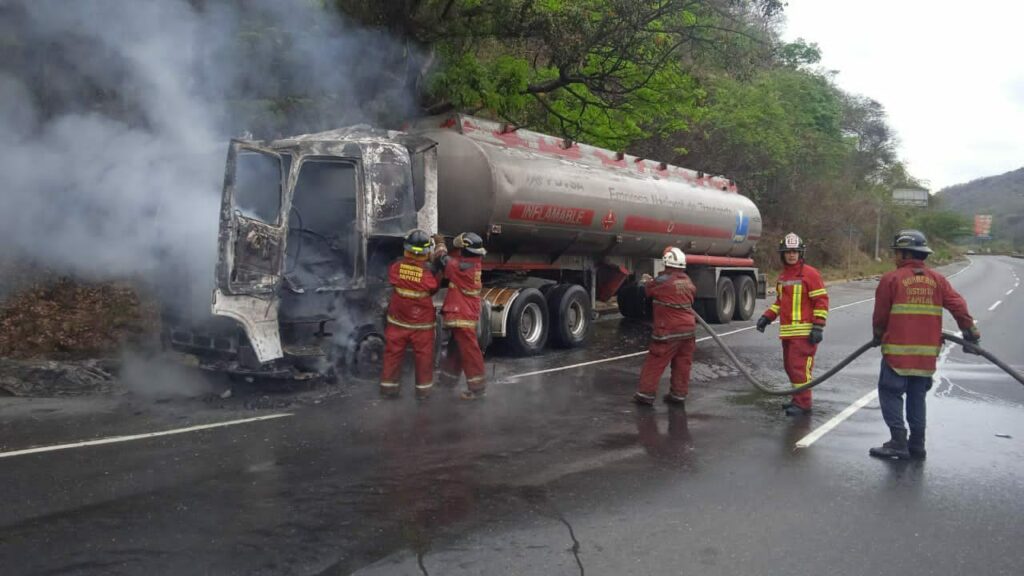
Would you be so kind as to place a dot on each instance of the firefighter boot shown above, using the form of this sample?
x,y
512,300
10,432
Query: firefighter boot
x,y
674,400
794,410
643,399
915,445
894,448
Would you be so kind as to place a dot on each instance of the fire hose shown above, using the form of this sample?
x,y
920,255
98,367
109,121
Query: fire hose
x,y
972,348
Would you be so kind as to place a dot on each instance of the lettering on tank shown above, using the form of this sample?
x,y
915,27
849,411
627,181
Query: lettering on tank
x,y
550,214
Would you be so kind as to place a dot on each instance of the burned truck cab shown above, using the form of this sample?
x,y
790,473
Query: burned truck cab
x,y
308,227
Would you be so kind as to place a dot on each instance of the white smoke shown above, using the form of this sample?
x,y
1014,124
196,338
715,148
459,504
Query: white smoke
x,y
128,183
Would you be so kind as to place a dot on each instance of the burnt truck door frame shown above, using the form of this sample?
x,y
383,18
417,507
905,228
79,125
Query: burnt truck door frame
x,y
250,255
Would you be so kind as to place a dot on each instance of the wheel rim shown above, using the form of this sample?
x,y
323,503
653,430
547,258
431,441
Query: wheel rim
x,y
369,355
531,324
575,319
748,298
728,303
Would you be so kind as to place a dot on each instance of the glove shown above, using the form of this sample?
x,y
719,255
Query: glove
x,y
973,340
763,323
646,278
817,335
876,341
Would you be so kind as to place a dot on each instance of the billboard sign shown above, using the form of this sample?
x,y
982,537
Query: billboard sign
x,y
983,226
910,196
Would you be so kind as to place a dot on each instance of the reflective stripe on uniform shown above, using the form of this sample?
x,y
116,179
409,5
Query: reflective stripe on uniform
x,y
474,379
672,305
470,292
916,309
674,336
425,386
816,293
797,297
823,314
808,366
411,293
389,384
774,308
913,372
400,324
801,329
460,323
910,350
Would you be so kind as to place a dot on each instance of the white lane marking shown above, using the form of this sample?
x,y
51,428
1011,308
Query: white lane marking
x,y
836,420
1010,291
116,439
993,307
643,352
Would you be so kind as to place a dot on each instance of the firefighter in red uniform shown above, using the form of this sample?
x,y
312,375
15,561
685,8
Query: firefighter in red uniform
x,y
410,317
801,305
908,324
461,312
672,341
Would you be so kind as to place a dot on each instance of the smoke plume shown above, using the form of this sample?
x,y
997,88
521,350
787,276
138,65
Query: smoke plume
x,y
115,117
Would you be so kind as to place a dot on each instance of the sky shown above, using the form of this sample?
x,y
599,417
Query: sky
x,y
949,74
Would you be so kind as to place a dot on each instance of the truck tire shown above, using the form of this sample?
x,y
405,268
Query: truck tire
x,y
569,315
483,327
527,329
721,308
746,298
633,302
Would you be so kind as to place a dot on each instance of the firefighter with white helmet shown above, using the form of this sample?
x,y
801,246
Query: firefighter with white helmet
x,y
801,305
672,342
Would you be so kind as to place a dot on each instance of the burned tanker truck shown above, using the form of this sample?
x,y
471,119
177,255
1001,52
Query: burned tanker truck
x,y
309,225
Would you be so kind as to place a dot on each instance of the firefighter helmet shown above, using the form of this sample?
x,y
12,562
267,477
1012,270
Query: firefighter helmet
x,y
417,242
792,242
674,258
912,241
470,242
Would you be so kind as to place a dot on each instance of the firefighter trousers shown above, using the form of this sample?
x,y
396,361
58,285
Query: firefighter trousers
x,y
678,353
396,339
798,358
891,388
464,355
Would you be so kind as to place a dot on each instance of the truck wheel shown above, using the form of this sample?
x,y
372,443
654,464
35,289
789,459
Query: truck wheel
x,y
633,302
746,298
483,326
527,330
569,315
365,354
722,307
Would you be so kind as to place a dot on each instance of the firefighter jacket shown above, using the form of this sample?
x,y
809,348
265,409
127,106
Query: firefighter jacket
x,y
672,294
462,303
801,301
908,316
411,304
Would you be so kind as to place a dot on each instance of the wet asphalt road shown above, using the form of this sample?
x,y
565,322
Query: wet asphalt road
x,y
554,473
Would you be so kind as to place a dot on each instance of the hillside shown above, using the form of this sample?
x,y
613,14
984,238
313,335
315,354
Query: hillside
x,y
1001,196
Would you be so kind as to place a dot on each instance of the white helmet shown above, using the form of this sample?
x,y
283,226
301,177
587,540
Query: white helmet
x,y
674,258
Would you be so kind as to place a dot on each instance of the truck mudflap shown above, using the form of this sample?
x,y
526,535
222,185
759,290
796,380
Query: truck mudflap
x,y
258,317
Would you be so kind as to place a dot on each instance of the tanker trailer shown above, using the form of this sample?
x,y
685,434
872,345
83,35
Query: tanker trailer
x,y
586,222
309,224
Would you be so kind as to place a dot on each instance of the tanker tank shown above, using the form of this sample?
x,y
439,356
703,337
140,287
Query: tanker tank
x,y
527,192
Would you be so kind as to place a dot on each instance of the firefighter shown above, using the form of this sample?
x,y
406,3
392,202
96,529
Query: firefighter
x,y
411,316
907,322
801,305
672,341
461,312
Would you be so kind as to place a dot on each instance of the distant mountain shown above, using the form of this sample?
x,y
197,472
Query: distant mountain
x,y
1001,196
